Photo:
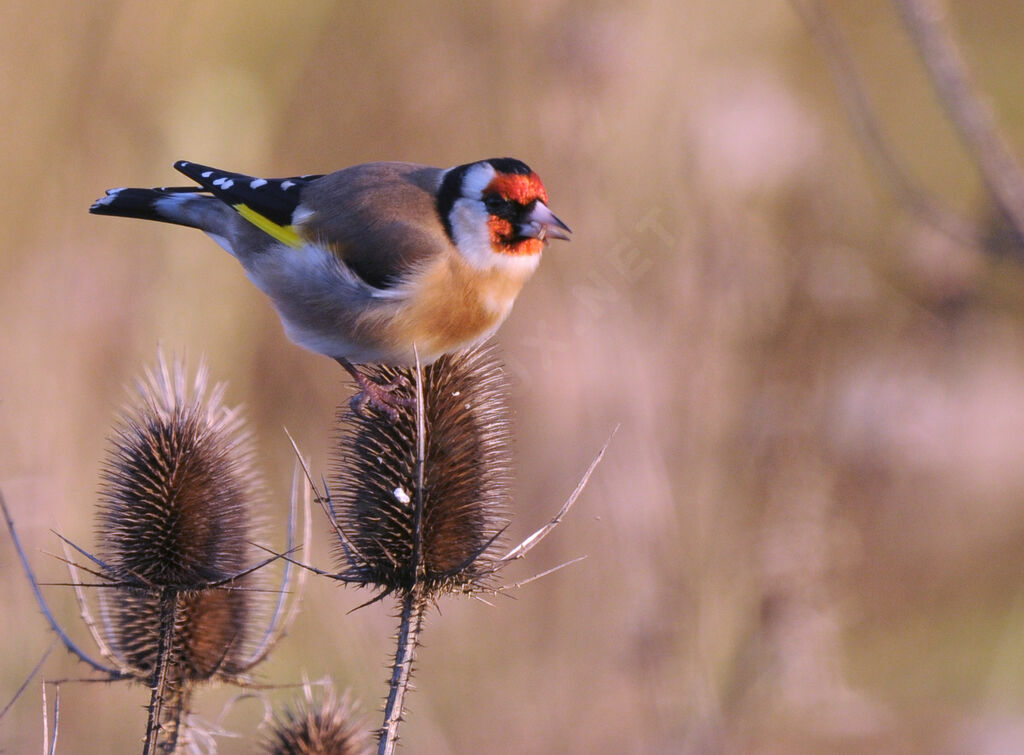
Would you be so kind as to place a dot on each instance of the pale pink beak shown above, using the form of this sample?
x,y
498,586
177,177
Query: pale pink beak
x,y
542,224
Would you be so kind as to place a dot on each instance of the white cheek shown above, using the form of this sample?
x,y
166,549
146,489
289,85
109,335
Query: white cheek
x,y
472,236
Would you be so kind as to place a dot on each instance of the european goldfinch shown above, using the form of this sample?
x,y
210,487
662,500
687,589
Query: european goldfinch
x,y
366,263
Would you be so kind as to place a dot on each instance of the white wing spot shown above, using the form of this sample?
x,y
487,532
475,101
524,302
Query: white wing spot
x,y
257,183
206,173
224,183
287,185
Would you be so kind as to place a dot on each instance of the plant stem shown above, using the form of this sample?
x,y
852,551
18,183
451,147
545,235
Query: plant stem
x,y
413,606
925,21
168,617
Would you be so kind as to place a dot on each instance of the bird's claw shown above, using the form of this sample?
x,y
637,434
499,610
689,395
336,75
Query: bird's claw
x,y
380,397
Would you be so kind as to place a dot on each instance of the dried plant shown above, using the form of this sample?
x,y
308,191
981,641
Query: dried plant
x,y
423,500
324,726
423,497
173,522
180,585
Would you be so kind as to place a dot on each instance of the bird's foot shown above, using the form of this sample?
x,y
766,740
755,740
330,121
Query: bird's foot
x,y
379,396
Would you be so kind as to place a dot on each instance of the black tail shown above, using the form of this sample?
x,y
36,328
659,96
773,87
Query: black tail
x,y
138,203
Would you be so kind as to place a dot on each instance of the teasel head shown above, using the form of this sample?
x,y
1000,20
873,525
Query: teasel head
x,y
420,499
177,485
174,525
419,496
312,726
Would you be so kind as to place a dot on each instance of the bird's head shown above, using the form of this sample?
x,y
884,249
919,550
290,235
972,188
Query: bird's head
x,y
496,213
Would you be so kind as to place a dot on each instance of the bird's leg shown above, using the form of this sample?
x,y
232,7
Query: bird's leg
x,y
376,395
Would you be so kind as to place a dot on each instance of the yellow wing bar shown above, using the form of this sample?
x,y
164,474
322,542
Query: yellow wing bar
x,y
286,234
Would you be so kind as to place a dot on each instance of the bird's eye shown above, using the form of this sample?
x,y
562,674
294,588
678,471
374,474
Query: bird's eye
x,y
497,205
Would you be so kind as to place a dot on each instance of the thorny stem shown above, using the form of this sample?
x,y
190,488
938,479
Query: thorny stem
x,y
413,607
168,616
64,638
28,680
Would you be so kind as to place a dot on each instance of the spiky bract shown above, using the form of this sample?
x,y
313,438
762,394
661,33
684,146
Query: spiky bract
x,y
399,535
325,727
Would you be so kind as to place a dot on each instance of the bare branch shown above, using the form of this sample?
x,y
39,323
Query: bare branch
x,y
925,22
529,543
56,718
535,577
326,504
83,609
28,680
277,627
41,601
865,121
289,559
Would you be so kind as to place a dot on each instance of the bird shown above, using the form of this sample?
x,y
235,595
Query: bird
x,y
378,262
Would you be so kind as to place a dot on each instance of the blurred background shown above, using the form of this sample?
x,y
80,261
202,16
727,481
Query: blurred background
x,y
808,532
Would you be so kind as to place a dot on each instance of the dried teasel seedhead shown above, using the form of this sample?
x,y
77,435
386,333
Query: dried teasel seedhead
x,y
174,522
210,637
441,536
326,727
